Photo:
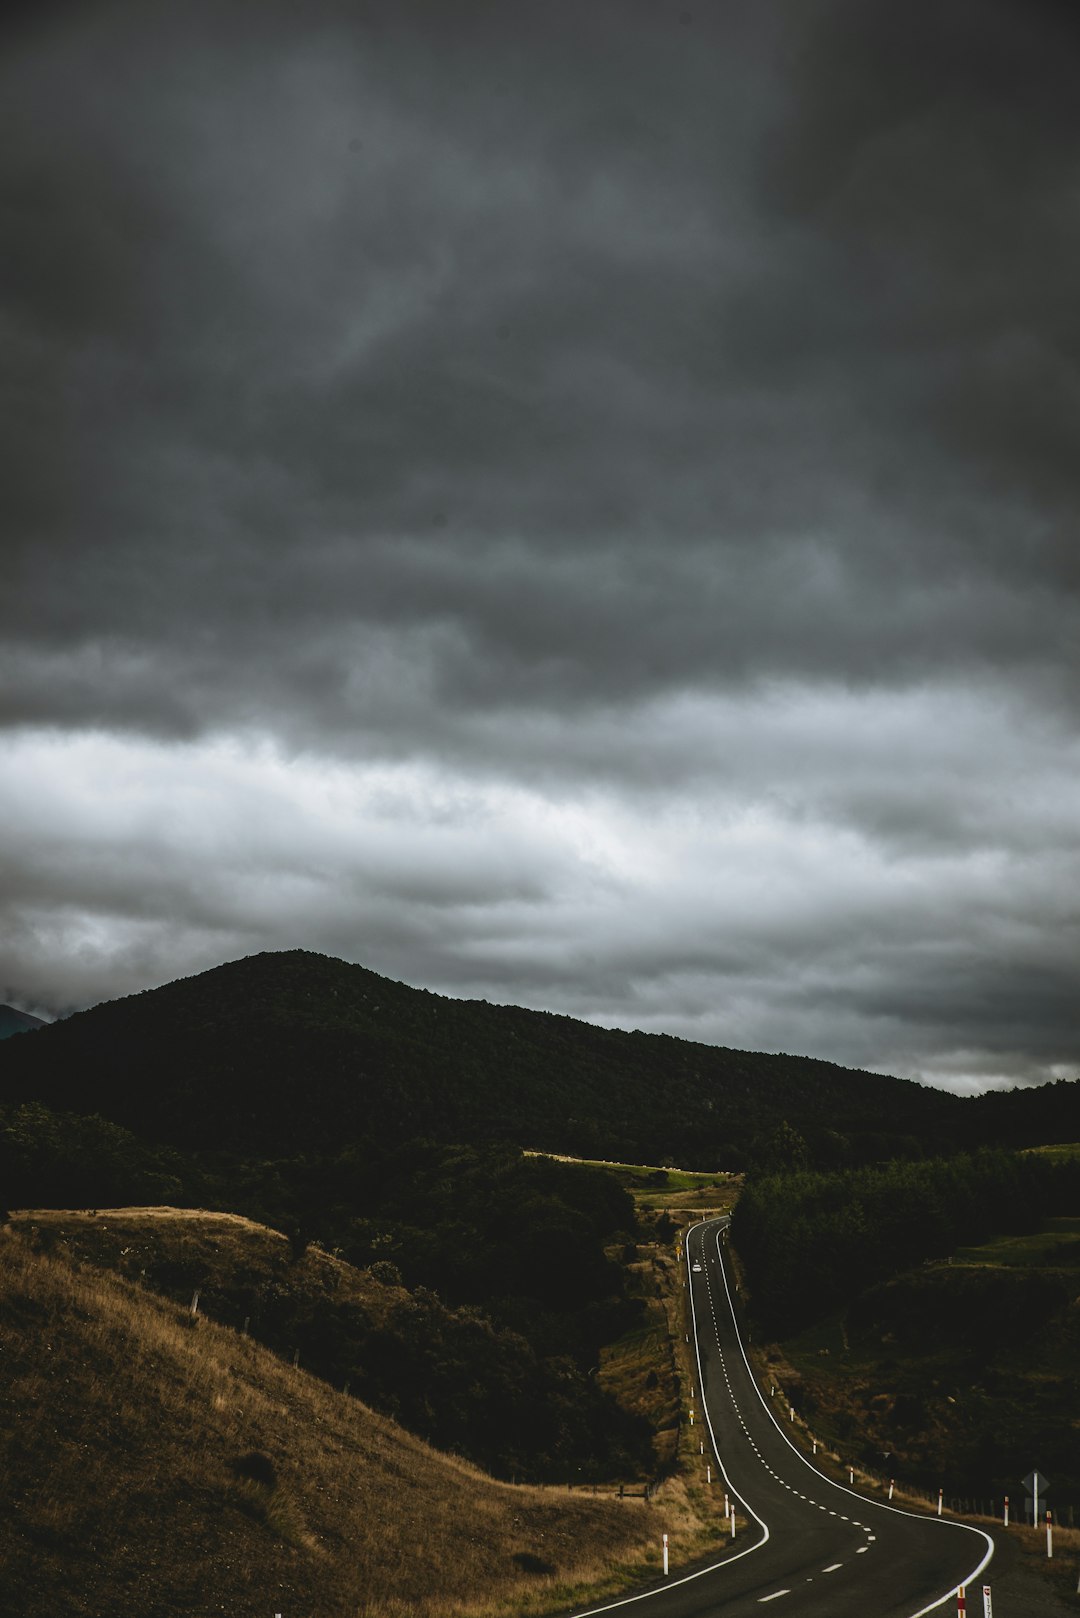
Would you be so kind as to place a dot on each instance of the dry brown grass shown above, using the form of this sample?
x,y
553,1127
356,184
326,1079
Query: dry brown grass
x,y
653,1370
220,1251
122,1420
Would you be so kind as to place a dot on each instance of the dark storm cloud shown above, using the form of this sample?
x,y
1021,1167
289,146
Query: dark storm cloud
x,y
615,405
367,324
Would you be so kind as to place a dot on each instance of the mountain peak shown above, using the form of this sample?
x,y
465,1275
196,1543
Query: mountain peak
x,y
13,1021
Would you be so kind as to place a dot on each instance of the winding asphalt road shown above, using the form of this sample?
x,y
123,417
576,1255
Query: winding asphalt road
x,y
812,1548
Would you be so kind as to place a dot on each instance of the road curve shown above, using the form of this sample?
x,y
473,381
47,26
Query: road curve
x,y
813,1548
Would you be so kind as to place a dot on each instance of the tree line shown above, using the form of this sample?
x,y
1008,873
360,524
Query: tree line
x,y
812,1241
499,1291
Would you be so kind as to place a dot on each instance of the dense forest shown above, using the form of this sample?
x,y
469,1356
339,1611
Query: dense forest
x,y
295,1051
500,1291
387,1124
812,1241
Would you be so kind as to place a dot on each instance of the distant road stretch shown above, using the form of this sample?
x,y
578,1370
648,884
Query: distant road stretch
x,y
813,1549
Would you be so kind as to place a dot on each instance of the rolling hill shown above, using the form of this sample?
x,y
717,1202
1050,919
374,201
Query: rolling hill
x,y
295,1051
17,1022
154,1462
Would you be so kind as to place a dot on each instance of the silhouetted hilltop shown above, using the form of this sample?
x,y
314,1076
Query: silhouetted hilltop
x,y
17,1022
295,1050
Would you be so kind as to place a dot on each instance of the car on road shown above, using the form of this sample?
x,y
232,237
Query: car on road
x,y
696,1264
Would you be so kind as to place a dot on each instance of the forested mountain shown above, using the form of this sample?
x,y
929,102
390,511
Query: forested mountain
x,y
17,1022
928,1311
812,1242
386,1123
296,1050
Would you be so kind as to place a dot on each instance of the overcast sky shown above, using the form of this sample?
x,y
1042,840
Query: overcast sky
x,y
569,503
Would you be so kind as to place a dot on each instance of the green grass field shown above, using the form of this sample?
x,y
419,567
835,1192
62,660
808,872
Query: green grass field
x,y
1061,1151
654,1186
956,1369
1056,1247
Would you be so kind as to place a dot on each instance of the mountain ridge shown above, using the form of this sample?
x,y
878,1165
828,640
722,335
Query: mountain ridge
x,y
14,1021
296,1048
292,1049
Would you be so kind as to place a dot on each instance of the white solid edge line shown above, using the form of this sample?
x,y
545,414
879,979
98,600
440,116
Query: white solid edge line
x,y
728,1561
881,1505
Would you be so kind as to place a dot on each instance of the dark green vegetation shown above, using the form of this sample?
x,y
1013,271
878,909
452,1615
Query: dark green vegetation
x,y
332,1104
295,1051
508,1296
811,1241
153,1464
931,1312
448,1374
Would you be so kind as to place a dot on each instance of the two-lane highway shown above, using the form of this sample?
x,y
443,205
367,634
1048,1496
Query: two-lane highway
x,y
813,1548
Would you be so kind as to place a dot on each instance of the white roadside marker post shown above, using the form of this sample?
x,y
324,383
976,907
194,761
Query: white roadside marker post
x,y
708,1471
727,1505
851,1474
891,1482
733,1519
987,1606
940,1493
1049,1537
815,1446
702,1446
665,1556
1006,1511
195,1302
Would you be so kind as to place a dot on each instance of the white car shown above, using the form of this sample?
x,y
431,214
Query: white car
x,y
696,1264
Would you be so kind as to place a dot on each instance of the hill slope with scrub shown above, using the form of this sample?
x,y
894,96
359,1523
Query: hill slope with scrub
x,y
153,1460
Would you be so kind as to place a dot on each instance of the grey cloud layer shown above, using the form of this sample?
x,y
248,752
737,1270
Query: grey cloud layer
x,y
551,394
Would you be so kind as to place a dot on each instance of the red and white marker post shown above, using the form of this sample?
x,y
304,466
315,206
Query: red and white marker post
x,y
961,1602
1049,1536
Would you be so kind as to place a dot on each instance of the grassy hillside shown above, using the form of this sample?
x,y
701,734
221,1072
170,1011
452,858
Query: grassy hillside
x,y
300,1052
450,1375
965,1372
153,1462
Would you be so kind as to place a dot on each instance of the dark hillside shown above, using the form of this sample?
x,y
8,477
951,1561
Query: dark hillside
x,y
17,1022
1038,1116
448,1375
153,1464
295,1051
